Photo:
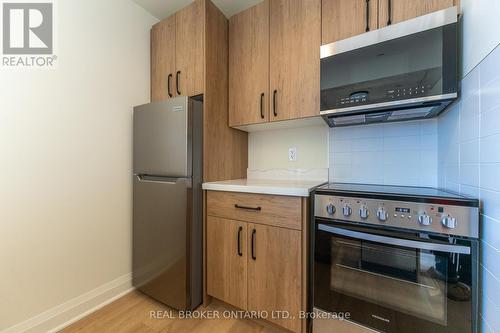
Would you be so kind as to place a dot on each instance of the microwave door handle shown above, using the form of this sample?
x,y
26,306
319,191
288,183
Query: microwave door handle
x,y
395,241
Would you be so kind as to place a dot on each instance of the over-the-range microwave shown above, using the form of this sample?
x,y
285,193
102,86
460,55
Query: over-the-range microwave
x,y
405,71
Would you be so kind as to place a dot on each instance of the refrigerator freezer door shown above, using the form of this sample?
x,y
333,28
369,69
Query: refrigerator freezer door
x,y
162,138
160,232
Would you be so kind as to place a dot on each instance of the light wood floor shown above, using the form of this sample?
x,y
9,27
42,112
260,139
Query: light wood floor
x,y
132,313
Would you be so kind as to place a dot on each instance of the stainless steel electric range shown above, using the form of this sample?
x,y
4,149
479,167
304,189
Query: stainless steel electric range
x,y
394,259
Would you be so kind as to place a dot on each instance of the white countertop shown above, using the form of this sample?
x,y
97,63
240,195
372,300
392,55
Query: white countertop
x,y
297,188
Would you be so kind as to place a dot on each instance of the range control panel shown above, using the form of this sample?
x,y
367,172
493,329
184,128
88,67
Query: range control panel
x,y
442,219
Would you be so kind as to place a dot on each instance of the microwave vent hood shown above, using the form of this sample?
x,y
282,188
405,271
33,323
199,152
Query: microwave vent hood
x,y
405,71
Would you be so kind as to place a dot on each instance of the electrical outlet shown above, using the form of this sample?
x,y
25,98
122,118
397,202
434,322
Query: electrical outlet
x,y
292,154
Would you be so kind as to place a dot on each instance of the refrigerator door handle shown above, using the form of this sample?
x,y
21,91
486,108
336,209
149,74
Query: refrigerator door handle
x,y
159,179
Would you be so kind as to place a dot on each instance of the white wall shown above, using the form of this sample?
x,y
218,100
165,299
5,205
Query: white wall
x,y
268,150
480,30
65,156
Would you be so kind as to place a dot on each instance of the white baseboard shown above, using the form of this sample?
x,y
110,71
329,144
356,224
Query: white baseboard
x,y
65,314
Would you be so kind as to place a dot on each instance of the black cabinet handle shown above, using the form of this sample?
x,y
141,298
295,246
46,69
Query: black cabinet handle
x,y
262,105
169,79
389,10
274,103
177,79
254,232
367,15
239,241
246,207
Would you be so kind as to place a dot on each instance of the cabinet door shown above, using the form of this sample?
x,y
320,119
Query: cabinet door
x,y
394,11
163,59
249,66
295,39
227,260
189,48
346,18
274,272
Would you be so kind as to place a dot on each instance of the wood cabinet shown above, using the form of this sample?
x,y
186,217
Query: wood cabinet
x,y
189,57
254,263
249,66
274,272
162,59
227,260
342,19
274,62
177,59
189,29
346,18
295,38
395,11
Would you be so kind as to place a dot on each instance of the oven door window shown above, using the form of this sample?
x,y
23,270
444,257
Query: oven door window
x,y
390,287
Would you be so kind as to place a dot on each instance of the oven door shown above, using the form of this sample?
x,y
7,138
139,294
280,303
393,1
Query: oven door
x,y
394,281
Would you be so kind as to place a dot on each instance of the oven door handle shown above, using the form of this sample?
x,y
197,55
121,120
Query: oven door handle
x,y
395,241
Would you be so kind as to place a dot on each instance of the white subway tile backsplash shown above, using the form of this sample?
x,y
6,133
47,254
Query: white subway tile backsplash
x,y
490,176
469,151
490,258
490,122
490,231
490,149
469,174
402,143
470,86
490,95
475,120
393,153
491,314
340,146
368,144
490,201
489,68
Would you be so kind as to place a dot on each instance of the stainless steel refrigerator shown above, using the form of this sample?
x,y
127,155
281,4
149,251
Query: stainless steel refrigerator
x,y
167,195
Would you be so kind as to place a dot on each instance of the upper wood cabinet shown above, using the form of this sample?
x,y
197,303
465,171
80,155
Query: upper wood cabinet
x,y
295,39
274,62
189,29
346,18
249,66
342,19
162,59
394,11
177,57
189,57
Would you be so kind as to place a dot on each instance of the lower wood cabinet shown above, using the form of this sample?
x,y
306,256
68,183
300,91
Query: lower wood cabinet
x,y
274,272
227,260
254,265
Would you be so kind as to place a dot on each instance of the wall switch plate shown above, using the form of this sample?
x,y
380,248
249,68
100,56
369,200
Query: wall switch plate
x,y
292,154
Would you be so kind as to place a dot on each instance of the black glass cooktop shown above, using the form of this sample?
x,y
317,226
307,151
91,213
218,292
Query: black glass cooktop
x,y
368,189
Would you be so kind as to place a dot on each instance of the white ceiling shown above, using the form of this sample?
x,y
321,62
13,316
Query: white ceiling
x,y
164,8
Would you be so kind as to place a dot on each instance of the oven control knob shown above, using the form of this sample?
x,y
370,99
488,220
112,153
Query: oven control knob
x,y
363,212
330,209
346,210
382,214
425,219
449,222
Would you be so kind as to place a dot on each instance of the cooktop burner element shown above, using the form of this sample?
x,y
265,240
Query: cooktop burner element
x,y
414,208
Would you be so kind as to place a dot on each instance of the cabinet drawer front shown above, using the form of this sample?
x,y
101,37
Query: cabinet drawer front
x,y
274,210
